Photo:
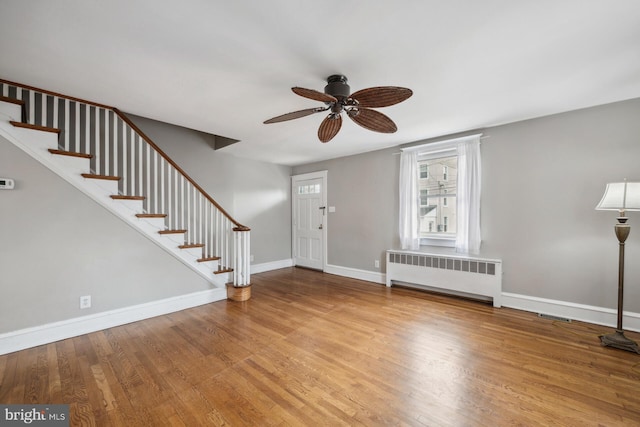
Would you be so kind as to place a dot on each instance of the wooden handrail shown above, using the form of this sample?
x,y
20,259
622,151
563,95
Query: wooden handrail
x,y
59,95
179,169
239,227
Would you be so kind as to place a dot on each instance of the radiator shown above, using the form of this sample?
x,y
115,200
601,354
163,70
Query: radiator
x,y
448,273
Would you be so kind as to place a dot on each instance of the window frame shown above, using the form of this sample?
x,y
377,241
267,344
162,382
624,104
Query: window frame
x,y
468,235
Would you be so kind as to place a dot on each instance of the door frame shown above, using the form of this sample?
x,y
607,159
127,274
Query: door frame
x,y
325,222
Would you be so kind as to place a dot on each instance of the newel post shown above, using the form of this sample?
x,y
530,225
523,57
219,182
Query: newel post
x,y
240,289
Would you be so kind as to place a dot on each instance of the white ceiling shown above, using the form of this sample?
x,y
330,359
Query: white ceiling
x,y
224,67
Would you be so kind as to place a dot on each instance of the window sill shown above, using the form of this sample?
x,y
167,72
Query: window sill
x,y
447,242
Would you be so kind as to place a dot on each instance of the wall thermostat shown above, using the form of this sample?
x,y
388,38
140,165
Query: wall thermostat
x,y
6,184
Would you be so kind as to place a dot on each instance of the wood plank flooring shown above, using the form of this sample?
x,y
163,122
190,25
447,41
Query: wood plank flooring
x,y
315,349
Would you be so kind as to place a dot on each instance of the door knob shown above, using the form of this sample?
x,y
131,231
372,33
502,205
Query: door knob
x,y
320,228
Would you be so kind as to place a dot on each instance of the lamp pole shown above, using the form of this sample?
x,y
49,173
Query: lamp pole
x,y
618,339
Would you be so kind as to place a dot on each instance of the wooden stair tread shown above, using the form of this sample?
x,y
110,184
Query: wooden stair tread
x,y
151,215
106,177
172,231
123,197
211,258
12,100
70,153
224,270
191,245
34,127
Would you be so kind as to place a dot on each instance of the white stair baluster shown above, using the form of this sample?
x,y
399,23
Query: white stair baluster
x,y
114,144
147,160
105,144
140,169
124,168
87,129
32,105
77,123
67,124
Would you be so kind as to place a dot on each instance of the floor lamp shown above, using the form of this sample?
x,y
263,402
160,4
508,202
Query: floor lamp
x,y
621,197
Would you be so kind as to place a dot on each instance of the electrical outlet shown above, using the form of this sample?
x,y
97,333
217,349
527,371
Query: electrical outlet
x,y
85,301
251,258
377,263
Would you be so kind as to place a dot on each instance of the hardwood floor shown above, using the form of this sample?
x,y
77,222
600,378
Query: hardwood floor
x,y
316,349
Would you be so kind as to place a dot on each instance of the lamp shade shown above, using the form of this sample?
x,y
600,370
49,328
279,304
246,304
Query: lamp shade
x,y
621,196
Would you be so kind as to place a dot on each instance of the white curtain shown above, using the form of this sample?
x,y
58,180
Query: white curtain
x,y
409,201
468,196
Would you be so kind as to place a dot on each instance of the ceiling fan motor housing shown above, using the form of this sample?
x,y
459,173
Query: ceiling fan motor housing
x,y
337,87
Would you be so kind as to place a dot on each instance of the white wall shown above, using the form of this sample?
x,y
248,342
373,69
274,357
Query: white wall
x,y
542,179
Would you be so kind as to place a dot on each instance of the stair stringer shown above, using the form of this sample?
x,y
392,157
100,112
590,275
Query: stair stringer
x,y
37,143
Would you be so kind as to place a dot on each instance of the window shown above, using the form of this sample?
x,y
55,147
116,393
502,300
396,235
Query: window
x,y
424,201
437,197
309,189
445,179
424,171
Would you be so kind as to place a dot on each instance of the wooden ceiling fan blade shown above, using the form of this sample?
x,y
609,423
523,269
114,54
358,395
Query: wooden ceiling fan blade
x,y
381,96
329,127
313,94
294,115
372,120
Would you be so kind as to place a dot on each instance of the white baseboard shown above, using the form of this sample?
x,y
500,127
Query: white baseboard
x,y
273,265
580,312
45,334
573,311
51,332
354,273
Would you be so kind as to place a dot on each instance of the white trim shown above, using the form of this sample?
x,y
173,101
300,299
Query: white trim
x,y
354,273
45,334
273,265
325,227
569,310
443,242
443,145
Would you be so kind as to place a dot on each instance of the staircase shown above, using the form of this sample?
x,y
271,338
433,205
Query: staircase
x,y
101,152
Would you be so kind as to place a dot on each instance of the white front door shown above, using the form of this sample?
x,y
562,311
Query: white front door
x,y
309,220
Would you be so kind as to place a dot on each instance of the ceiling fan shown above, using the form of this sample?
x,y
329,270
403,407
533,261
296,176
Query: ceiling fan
x,y
357,106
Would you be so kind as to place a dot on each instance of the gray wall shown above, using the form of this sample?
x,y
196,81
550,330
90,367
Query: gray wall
x,y
541,181
256,194
363,189
57,244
